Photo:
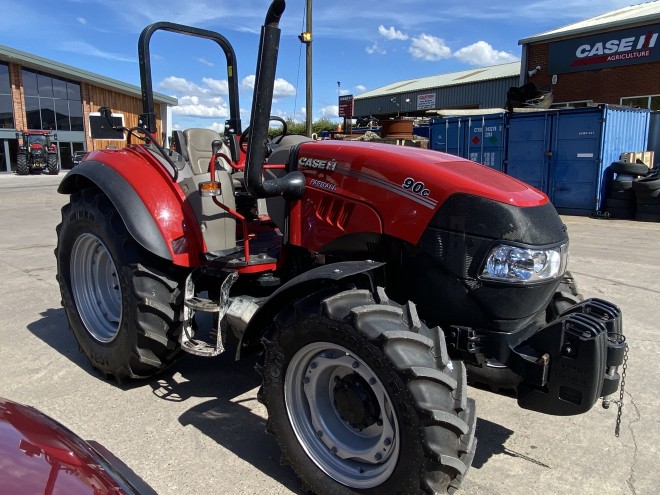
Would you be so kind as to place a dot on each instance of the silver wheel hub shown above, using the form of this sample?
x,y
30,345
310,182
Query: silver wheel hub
x,y
357,448
95,287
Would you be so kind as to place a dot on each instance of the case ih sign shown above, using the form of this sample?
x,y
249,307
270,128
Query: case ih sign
x,y
626,47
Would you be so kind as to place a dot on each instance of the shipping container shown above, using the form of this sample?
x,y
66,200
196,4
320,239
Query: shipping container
x,y
654,135
528,148
566,153
421,131
480,138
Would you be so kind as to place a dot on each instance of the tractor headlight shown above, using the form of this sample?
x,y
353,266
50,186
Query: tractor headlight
x,y
525,265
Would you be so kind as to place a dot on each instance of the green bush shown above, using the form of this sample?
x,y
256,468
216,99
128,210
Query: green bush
x,y
299,128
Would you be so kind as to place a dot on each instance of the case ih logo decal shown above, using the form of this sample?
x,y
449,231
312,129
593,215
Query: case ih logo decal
x,y
329,165
410,188
617,49
632,46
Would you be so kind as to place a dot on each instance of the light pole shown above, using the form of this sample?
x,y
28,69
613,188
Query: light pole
x,y
306,38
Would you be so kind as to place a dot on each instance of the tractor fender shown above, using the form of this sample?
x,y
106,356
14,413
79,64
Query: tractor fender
x,y
135,215
303,284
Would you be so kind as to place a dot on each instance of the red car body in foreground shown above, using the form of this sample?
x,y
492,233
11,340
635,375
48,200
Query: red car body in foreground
x,y
38,455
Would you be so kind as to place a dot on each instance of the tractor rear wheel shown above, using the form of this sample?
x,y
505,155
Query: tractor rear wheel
x,y
363,398
22,167
123,304
53,166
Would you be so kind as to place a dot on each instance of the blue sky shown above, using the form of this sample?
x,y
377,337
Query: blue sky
x,y
361,44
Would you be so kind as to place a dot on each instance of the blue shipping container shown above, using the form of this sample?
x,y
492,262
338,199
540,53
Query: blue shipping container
x,y
654,136
446,135
421,131
479,138
565,153
528,146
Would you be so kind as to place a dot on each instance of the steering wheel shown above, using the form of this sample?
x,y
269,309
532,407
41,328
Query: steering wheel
x,y
276,140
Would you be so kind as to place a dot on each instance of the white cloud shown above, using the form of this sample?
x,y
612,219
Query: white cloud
x,y
282,88
218,127
220,86
329,112
198,100
427,47
343,92
85,48
194,107
81,20
202,60
180,86
482,53
248,82
375,49
360,88
391,33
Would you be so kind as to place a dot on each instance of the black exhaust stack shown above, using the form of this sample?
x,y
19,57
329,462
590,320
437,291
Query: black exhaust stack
x,y
292,184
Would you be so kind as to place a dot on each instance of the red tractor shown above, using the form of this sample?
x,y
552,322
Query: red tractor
x,y
37,152
367,277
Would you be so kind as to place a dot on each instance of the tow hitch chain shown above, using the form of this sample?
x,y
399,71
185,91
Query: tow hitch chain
x,y
619,403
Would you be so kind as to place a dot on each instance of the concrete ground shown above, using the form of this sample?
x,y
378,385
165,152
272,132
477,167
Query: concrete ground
x,y
199,429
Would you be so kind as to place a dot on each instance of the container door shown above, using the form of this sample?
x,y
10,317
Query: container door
x,y
576,162
447,135
654,136
484,140
528,148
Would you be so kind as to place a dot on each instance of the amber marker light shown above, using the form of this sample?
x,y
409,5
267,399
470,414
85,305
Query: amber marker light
x,y
210,188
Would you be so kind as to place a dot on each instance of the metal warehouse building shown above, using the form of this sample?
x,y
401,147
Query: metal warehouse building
x,y
40,94
468,89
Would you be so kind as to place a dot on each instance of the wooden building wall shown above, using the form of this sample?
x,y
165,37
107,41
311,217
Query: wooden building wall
x,y
95,97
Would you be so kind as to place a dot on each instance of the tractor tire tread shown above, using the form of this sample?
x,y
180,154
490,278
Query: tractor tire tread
x,y
435,386
152,299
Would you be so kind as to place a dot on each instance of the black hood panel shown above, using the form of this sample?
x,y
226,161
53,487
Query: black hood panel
x,y
483,217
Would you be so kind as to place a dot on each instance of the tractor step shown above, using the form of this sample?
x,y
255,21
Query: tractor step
x,y
193,303
201,348
201,304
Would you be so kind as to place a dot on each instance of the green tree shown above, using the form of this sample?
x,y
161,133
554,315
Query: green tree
x,y
299,128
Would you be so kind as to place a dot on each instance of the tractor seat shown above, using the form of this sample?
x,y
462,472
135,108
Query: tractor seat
x,y
199,146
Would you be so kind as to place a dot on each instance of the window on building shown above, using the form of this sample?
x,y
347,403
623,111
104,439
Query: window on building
x,y
6,105
651,101
66,152
32,112
52,103
573,104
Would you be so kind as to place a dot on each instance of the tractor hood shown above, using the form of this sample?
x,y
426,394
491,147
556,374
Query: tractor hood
x,y
406,185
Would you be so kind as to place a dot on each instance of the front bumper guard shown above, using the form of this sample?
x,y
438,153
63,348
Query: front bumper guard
x,y
571,362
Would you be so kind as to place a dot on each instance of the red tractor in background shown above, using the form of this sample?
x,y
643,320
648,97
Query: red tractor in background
x,y
367,277
37,152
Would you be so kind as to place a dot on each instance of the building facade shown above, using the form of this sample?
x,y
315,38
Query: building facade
x,y
612,58
41,94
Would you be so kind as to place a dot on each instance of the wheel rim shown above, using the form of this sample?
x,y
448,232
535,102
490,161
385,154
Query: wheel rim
x,y
358,457
96,288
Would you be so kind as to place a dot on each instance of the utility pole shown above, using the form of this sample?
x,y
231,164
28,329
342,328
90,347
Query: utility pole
x,y
308,68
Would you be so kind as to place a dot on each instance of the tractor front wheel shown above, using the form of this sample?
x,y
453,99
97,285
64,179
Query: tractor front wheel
x,y
123,304
363,398
22,167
